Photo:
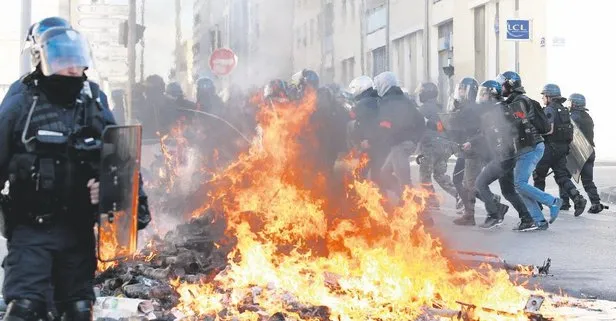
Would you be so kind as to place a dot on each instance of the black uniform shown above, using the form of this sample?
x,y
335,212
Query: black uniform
x,y
500,134
49,218
402,127
587,126
365,127
555,155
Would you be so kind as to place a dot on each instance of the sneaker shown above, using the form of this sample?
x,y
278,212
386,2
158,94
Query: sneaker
x,y
465,220
459,203
579,204
596,208
554,209
543,225
491,222
525,226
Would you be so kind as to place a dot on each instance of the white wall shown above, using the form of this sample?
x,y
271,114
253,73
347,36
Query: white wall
x,y
585,62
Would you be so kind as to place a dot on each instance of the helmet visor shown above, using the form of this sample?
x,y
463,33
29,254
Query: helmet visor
x,y
65,51
462,93
484,94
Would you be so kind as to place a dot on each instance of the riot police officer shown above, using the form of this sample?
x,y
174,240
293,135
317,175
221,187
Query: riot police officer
x,y
579,114
499,128
207,97
301,81
156,112
174,90
363,129
557,142
530,153
50,137
402,127
436,148
464,125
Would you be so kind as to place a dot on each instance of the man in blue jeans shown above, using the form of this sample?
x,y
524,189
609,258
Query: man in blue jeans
x,y
529,155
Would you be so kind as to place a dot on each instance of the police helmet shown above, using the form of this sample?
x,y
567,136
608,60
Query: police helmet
x,y
466,90
551,91
384,81
359,85
509,80
427,91
174,90
62,48
35,32
489,90
304,78
204,82
577,100
154,84
276,88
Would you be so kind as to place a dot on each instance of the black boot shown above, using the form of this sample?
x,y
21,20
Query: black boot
x,y
24,310
579,204
597,208
77,311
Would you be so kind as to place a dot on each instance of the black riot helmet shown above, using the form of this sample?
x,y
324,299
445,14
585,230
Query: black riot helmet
x,y
511,81
466,90
427,91
174,90
154,86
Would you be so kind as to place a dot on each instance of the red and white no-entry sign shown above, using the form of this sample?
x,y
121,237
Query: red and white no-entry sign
x,y
223,61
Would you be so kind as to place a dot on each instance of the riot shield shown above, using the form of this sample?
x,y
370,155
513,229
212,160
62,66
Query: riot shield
x,y
119,190
579,152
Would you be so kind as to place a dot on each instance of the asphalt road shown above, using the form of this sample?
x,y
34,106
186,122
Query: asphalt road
x,y
582,249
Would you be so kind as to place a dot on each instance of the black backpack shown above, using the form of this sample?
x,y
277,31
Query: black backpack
x,y
538,118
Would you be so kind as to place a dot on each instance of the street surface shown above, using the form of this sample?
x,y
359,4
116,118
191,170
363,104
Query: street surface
x,y
582,249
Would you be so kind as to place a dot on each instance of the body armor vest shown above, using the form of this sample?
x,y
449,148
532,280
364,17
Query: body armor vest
x,y
563,128
58,151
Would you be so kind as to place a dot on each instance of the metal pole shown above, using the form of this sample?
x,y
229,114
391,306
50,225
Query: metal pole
x,y
517,44
387,38
132,17
426,42
141,71
26,20
497,31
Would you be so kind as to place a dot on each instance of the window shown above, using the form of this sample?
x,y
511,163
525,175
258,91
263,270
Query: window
x,y
377,19
379,61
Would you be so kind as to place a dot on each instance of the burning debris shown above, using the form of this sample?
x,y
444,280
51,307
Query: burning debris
x,y
271,241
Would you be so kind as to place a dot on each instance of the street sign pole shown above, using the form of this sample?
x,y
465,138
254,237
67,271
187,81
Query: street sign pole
x,y
517,44
132,26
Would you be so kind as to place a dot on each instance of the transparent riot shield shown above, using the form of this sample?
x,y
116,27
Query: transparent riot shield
x,y
119,189
579,152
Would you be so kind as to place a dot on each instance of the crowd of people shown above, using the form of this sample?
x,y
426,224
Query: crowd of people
x,y
494,130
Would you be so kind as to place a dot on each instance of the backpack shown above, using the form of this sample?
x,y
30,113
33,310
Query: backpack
x,y
539,120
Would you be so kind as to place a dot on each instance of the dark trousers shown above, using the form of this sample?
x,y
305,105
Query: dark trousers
x,y
458,175
57,256
555,158
587,181
503,172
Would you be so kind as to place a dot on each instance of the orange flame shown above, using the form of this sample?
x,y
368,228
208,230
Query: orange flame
x,y
376,263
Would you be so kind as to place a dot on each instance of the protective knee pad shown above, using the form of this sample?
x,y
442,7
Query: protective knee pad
x,y
24,310
77,311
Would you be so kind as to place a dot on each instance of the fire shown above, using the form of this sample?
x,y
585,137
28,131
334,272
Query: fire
x,y
300,255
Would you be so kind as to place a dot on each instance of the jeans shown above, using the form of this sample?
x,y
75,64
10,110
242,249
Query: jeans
x,y
531,195
503,172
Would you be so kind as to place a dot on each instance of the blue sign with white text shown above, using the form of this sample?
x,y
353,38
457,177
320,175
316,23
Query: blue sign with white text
x,y
518,29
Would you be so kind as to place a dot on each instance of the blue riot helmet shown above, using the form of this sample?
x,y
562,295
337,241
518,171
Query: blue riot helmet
x,y
63,48
551,91
577,100
174,90
36,31
303,79
489,90
510,81
276,89
205,86
311,78
466,90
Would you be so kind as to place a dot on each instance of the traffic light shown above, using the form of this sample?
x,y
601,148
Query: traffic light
x,y
123,37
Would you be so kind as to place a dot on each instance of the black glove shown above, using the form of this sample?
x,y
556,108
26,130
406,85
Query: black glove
x,y
143,213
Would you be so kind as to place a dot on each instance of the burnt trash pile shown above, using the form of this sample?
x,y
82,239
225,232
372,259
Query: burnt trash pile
x,y
191,253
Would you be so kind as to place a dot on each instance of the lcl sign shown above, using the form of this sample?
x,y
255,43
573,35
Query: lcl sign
x,y
518,29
